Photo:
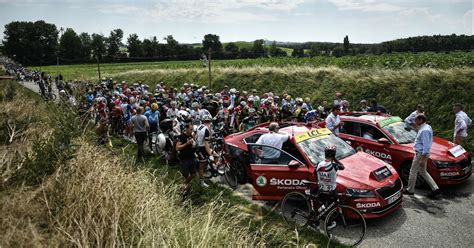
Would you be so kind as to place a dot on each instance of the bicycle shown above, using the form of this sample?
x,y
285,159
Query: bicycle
x,y
341,222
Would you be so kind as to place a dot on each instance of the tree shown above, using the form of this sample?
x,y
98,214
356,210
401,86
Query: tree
x,y
275,51
135,48
172,45
346,44
211,41
150,47
232,49
70,45
114,42
32,43
98,45
338,51
257,49
297,53
86,44
314,51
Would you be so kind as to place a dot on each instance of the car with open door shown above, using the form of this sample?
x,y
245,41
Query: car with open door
x,y
368,183
391,139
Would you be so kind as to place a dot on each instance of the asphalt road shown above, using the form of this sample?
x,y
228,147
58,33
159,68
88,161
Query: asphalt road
x,y
420,222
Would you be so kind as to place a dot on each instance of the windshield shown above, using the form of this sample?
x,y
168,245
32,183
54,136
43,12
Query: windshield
x,y
401,132
314,148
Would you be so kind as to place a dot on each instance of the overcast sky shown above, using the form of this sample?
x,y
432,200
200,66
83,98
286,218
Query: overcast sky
x,y
365,21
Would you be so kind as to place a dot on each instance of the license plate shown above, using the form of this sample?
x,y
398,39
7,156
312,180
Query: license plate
x,y
467,169
394,198
457,151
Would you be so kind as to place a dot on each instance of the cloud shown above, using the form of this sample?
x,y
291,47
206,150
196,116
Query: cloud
x,y
215,11
468,20
366,5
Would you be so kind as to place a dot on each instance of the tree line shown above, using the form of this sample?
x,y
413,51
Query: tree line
x,y
41,43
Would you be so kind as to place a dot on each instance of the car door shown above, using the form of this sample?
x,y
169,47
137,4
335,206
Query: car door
x,y
350,132
275,172
378,145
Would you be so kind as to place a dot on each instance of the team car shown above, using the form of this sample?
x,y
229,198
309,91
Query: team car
x,y
391,139
368,183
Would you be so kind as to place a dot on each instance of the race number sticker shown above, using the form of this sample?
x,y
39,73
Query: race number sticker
x,y
457,151
390,120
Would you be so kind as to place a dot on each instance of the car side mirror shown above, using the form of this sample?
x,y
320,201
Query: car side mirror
x,y
294,164
383,141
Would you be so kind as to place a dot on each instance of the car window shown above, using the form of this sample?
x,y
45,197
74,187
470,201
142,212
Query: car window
x,y
351,128
289,147
314,148
371,132
262,154
253,138
401,132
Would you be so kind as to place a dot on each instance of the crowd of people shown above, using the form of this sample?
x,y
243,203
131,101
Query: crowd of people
x,y
135,111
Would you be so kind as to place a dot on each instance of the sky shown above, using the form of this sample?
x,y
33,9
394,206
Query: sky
x,y
364,21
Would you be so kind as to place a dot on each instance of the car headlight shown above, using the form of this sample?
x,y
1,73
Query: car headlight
x,y
443,164
360,193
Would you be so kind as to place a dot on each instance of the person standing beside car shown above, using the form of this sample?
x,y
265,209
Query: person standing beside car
x,y
410,120
461,124
422,146
333,121
273,139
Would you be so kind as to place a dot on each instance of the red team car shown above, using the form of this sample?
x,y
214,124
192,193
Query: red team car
x,y
390,139
371,185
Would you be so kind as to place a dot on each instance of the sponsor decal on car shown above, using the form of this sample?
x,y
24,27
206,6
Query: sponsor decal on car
x,y
368,205
261,181
379,154
313,133
390,120
287,183
449,174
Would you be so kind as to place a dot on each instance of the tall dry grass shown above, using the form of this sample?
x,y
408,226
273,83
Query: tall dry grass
x,y
96,199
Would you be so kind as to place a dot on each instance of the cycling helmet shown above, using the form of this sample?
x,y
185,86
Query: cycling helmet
x,y
251,110
206,118
154,106
306,99
173,103
330,151
183,115
194,105
288,97
186,84
203,87
233,91
243,103
299,100
244,93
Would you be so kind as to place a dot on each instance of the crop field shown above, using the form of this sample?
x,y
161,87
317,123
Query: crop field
x,y
393,61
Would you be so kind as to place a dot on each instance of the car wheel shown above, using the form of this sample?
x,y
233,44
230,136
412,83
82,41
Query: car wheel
x,y
405,174
241,173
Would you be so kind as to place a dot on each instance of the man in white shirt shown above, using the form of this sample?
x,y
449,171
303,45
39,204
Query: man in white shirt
x,y
272,139
333,122
461,124
369,134
410,120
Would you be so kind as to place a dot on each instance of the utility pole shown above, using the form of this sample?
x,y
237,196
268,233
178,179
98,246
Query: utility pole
x,y
98,66
209,65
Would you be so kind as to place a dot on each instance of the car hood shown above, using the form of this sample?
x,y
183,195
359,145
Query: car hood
x,y
358,169
440,150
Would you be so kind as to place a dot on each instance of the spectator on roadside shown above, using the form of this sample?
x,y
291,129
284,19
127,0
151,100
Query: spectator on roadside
x,y
140,127
377,108
273,139
410,120
338,99
363,106
461,124
333,122
422,146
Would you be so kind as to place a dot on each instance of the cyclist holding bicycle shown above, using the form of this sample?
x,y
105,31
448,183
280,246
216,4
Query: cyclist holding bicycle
x,y
326,176
204,152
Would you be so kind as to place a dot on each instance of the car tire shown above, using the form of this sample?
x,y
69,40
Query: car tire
x,y
242,173
405,174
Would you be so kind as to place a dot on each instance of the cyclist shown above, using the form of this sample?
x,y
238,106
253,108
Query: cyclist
x,y
185,147
204,152
326,176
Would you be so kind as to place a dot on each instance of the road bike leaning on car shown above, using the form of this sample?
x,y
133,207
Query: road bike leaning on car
x,y
342,223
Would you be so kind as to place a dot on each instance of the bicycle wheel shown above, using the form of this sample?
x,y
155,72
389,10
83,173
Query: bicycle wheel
x,y
295,209
231,175
346,225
